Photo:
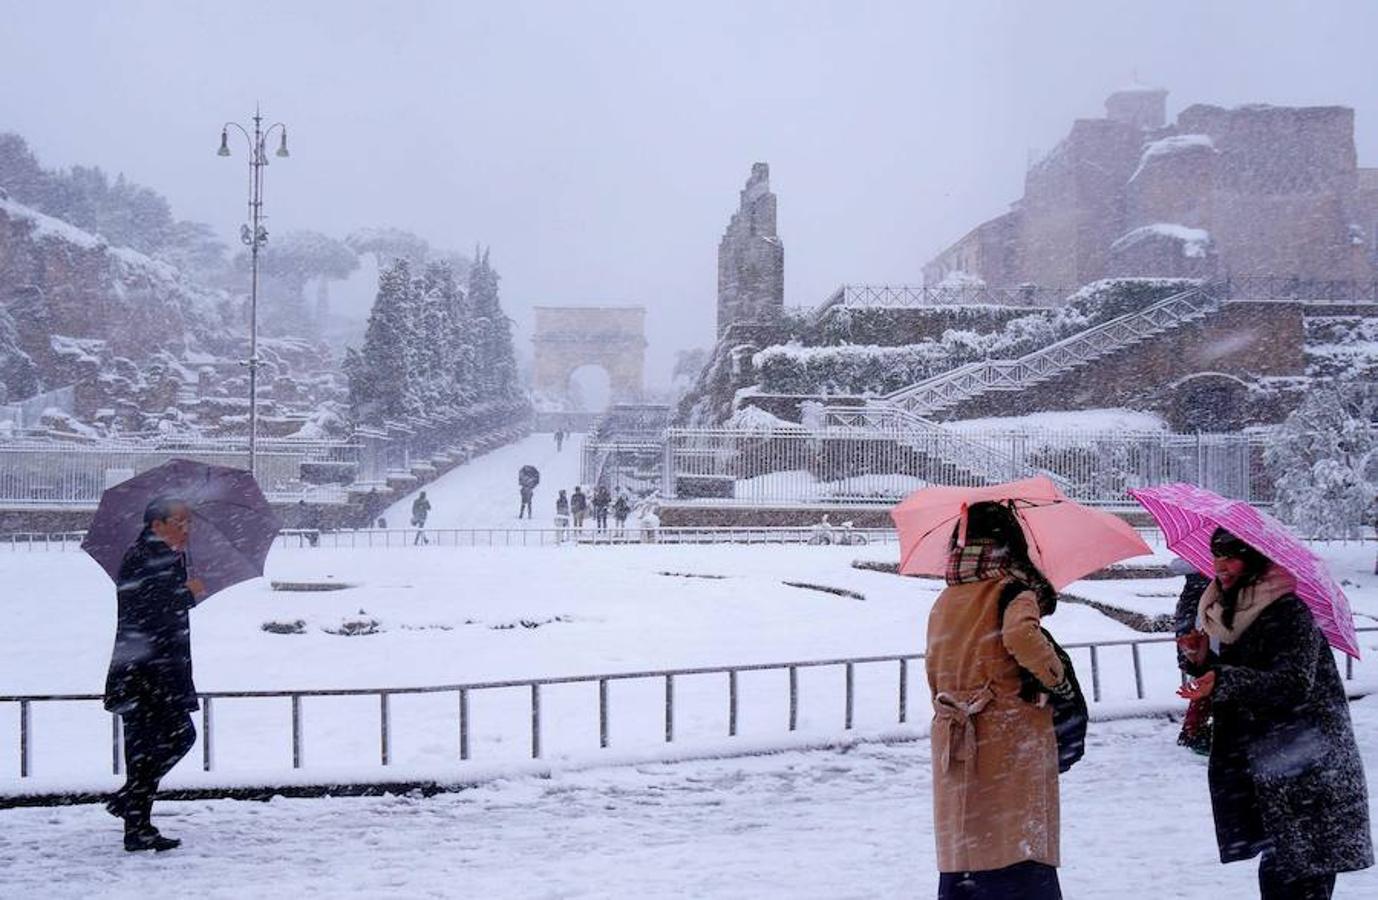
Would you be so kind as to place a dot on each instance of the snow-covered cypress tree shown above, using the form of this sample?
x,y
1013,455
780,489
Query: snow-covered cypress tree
x,y
381,373
1324,463
497,359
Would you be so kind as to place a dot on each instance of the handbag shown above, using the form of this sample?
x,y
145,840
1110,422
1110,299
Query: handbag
x,y
1070,714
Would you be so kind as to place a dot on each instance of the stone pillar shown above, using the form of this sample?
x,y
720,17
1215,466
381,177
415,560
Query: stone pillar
x,y
751,259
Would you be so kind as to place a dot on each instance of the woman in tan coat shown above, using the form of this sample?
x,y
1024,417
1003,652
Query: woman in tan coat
x,y
995,788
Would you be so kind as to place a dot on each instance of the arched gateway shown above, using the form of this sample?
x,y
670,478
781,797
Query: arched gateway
x,y
613,337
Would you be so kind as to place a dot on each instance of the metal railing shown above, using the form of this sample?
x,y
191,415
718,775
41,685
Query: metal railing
x,y
48,474
630,533
896,296
867,457
533,689
973,379
1285,289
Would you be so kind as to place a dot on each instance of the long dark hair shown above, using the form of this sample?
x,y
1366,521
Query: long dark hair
x,y
999,524
1226,545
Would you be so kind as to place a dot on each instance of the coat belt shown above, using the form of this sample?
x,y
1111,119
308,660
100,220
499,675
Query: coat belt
x,y
956,711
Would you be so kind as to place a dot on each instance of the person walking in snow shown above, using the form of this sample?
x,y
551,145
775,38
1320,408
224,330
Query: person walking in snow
x,y
527,479
559,440
995,753
602,499
561,515
620,510
420,509
578,506
1286,779
149,684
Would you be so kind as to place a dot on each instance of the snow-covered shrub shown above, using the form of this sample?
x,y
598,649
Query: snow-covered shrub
x,y
1324,465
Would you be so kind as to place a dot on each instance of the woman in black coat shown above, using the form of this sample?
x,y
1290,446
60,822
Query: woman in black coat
x,y
1286,779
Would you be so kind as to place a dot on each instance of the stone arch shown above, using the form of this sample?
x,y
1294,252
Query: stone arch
x,y
1209,401
611,337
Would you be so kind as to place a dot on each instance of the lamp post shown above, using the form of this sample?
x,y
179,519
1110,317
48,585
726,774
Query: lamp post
x,y
254,236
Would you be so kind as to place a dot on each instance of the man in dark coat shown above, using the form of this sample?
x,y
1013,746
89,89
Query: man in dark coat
x,y
149,684
1285,774
620,509
578,506
527,479
420,508
602,499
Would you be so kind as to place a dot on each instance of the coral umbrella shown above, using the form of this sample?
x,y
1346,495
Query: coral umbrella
x,y
1067,541
1189,515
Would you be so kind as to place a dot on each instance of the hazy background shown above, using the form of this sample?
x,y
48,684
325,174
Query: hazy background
x,y
598,147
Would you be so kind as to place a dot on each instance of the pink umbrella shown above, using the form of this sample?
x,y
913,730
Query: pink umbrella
x,y
1189,515
1067,541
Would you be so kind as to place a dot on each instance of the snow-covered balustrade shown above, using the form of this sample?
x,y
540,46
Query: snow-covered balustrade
x,y
1284,289
634,466
899,296
866,455
872,693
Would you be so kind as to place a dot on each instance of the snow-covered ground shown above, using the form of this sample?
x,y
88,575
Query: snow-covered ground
x,y
850,823
825,823
483,493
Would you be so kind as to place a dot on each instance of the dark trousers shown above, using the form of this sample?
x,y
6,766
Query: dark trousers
x,y
1026,880
525,508
420,537
155,738
1273,886
600,519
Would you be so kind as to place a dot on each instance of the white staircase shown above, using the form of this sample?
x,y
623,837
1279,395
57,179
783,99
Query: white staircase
x,y
974,379
949,456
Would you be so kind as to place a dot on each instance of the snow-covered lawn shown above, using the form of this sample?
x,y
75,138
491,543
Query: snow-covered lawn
x,y
852,823
473,614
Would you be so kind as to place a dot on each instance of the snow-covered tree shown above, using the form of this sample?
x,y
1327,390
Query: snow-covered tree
x,y
1324,462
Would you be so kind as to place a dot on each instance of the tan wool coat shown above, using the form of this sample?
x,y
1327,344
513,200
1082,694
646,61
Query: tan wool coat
x,y
995,790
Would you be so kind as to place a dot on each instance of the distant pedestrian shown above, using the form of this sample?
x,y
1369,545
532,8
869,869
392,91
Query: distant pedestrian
x,y
620,510
602,499
578,506
561,515
527,479
420,509
559,440
149,684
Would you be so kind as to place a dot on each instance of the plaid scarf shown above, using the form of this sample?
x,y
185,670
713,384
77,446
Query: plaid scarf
x,y
979,560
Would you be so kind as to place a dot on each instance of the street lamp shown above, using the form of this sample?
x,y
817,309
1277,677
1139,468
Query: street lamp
x,y
254,236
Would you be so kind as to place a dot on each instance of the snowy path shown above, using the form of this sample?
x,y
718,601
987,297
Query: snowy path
x,y
483,493
826,824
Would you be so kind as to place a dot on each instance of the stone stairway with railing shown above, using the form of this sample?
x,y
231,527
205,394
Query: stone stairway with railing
x,y
943,391
950,455
942,455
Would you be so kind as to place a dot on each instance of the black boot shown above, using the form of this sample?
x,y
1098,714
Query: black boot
x,y
117,805
146,837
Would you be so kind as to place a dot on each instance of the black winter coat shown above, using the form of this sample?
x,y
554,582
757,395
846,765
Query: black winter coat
x,y
578,502
151,663
1285,772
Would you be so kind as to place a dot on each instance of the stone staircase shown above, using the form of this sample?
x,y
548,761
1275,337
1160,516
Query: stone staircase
x,y
942,456
943,391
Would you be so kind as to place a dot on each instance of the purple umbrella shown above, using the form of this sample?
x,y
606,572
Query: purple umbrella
x,y
232,524
1189,515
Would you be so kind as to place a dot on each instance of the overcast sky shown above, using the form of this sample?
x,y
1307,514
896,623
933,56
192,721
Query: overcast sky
x,y
598,147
